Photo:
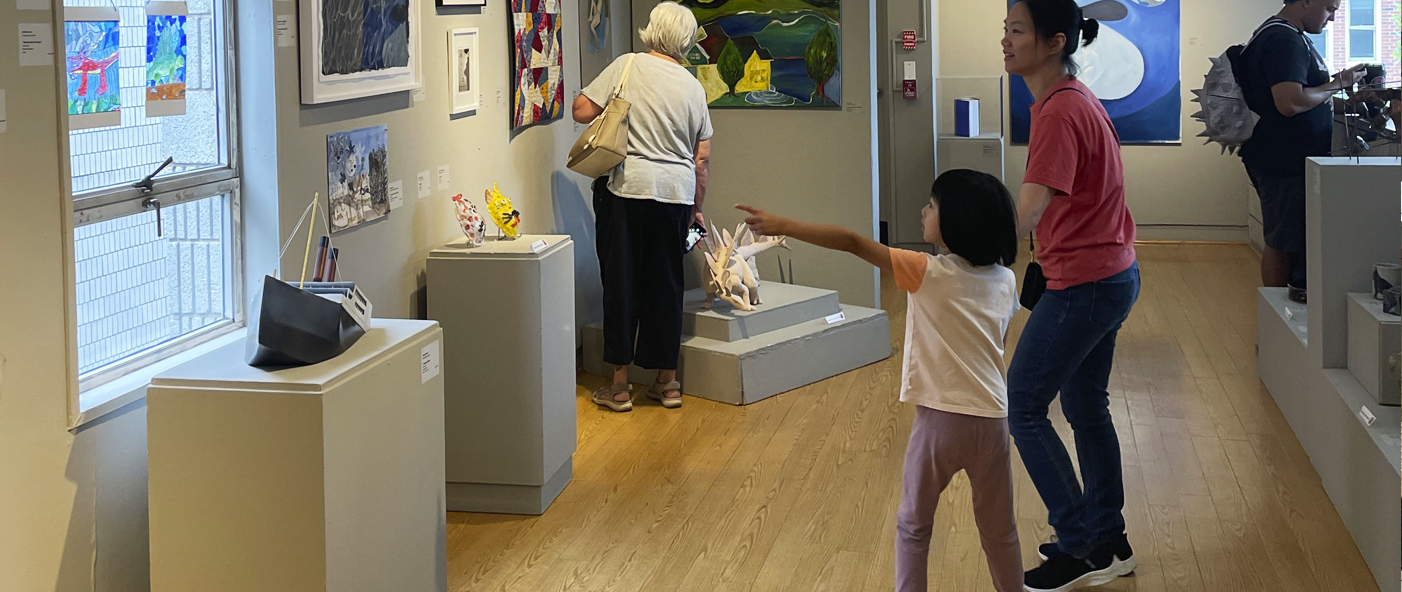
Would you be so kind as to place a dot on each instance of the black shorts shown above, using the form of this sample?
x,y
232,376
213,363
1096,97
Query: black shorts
x,y
1282,210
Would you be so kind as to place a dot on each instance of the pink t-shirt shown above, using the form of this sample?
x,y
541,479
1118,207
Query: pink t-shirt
x,y
1087,232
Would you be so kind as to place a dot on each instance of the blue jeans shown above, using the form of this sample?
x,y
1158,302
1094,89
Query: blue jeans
x,y
1068,347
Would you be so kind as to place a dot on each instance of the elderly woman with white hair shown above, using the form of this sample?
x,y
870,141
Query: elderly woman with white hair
x,y
645,206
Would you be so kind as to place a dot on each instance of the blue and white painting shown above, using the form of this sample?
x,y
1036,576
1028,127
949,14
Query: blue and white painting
x,y
1133,68
357,176
364,35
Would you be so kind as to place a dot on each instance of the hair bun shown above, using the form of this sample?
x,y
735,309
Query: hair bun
x,y
1090,30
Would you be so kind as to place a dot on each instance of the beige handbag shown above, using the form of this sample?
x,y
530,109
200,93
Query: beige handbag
x,y
605,144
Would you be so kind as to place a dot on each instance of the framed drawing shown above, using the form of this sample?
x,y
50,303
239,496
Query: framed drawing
x,y
166,51
1133,68
357,176
91,43
463,69
537,62
359,48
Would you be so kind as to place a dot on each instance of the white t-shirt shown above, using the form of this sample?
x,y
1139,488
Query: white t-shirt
x,y
667,117
956,328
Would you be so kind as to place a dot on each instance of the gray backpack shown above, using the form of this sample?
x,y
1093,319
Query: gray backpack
x,y
1228,119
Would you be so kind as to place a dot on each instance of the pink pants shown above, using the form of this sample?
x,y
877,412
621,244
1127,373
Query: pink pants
x,y
942,444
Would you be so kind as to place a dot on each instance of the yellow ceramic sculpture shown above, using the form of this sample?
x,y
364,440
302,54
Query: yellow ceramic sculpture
x,y
503,215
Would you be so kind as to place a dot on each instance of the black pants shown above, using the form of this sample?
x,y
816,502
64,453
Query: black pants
x,y
640,246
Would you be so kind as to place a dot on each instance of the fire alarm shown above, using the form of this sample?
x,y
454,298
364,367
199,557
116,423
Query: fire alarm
x,y
907,40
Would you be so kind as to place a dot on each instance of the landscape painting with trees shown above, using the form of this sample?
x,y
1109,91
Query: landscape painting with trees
x,y
768,53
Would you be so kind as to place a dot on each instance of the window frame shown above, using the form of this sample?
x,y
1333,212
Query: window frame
x,y
120,201
1376,28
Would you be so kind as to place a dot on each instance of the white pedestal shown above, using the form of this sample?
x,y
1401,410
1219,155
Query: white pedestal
x,y
319,478
507,311
1374,339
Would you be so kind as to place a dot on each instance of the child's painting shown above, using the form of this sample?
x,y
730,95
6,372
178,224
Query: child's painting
x,y
768,53
463,70
166,51
357,175
537,62
1132,67
358,48
91,38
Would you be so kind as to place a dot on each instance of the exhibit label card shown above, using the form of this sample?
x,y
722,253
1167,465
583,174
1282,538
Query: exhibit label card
x,y
36,44
33,4
286,31
429,357
425,185
443,178
396,195
3,123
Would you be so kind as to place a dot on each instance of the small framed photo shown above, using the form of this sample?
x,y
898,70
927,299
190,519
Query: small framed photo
x,y
463,70
462,2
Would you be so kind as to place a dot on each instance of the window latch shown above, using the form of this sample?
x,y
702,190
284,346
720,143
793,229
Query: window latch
x,y
149,183
152,203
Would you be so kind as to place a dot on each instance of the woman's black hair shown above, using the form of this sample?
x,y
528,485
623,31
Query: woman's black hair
x,y
1050,17
977,218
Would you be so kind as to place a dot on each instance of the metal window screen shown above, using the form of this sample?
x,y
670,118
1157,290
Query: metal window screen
x,y
137,290
117,156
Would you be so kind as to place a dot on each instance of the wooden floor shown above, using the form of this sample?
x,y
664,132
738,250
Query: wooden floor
x,y
799,492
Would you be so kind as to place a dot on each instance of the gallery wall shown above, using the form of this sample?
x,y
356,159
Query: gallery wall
x,y
814,164
1187,192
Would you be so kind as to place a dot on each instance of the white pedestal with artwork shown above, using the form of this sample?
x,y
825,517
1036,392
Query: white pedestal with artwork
x,y
323,478
507,310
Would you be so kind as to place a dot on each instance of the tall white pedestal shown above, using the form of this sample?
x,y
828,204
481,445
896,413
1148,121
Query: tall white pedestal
x,y
320,478
507,310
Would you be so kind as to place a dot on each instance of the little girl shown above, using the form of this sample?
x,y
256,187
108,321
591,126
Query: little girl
x,y
955,331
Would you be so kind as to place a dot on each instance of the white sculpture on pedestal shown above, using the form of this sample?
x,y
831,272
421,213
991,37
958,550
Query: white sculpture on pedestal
x,y
734,277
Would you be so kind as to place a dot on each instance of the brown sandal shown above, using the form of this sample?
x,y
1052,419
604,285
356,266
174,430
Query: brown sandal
x,y
659,393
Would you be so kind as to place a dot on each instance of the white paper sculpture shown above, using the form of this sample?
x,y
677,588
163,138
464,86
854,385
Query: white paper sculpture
x,y
730,263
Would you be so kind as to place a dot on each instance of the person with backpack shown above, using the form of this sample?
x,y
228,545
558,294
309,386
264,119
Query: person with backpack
x,y
1074,196
1284,81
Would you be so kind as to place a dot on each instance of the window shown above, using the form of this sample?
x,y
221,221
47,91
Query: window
x,y
157,270
1322,46
1363,29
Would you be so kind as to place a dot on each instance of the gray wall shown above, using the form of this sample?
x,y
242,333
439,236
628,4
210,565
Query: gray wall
x,y
816,165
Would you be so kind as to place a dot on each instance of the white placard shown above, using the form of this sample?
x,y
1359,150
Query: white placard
x,y
396,195
1367,417
3,124
420,95
539,246
36,44
425,186
429,359
443,177
286,31
33,4
836,318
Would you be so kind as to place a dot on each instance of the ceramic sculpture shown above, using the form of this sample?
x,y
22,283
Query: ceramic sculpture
x,y
730,263
471,222
503,215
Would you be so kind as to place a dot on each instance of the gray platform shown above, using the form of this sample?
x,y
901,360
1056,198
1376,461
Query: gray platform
x,y
738,357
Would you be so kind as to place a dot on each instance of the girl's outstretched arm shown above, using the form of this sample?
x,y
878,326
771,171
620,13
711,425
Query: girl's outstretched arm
x,y
824,235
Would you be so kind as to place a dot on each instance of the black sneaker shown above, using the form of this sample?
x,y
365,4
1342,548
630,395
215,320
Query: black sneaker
x,y
1064,573
1048,550
1297,293
1120,547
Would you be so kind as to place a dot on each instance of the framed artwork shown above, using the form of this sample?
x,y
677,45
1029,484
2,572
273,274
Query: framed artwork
x,y
166,51
763,53
462,2
91,48
358,48
463,70
537,62
357,176
1132,67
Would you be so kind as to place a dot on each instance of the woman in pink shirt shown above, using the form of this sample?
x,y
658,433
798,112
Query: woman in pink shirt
x,y
1073,196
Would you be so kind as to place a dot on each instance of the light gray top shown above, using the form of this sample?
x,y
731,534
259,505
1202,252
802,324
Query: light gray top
x,y
667,119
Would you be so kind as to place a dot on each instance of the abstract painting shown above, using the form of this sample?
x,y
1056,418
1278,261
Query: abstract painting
x,y
462,70
358,48
537,62
1132,68
166,51
357,175
92,47
768,53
